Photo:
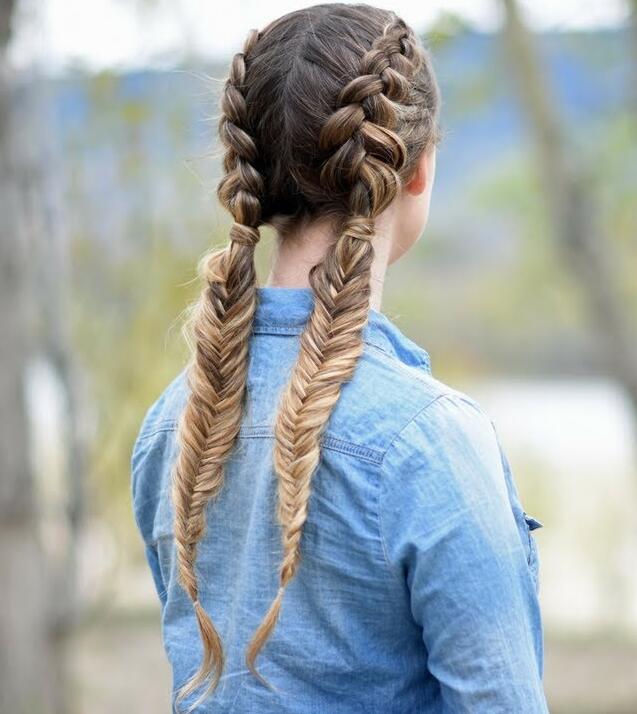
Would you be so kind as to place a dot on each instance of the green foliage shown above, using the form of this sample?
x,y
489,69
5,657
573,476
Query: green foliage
x,y
613,158
445,30
128,335
608,156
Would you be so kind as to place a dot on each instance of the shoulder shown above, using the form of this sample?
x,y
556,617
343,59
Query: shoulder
x,y
445,480
164,411
449,428
440,450
446,465
394,393
154,451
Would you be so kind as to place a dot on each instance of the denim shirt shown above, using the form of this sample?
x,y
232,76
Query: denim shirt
x,y
418,585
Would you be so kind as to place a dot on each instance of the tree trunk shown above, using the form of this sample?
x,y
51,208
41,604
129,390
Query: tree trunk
x,y
586,252
27,680
633,75
29,670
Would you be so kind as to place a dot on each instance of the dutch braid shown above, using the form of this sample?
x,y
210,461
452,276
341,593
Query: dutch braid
x,y
363,170
220,328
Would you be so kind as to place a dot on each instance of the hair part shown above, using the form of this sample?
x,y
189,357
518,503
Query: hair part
x,y
323,123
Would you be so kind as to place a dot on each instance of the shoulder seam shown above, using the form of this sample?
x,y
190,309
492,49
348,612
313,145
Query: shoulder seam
x,y
423,409
393,359
447,394
264,431
164,425
381,465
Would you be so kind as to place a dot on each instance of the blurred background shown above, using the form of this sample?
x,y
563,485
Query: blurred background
x,y
522,290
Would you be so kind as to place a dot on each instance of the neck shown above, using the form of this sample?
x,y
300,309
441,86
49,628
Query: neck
x,y
304,247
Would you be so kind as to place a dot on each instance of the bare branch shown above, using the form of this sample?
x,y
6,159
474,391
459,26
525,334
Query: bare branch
x,y
586,252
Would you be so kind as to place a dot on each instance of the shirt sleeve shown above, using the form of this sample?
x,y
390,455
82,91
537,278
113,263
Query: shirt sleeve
x,y
146,463
449,530
152,557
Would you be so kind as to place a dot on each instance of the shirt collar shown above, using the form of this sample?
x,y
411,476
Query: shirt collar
x,y
285,311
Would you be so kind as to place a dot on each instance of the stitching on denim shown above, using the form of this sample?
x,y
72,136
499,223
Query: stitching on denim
x,y
533,557
165,426
531,550
295,329
366,453
284,328
332,443
396,361
414,417
379,517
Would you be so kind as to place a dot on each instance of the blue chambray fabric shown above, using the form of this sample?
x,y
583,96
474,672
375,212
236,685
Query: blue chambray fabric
x,y
418,588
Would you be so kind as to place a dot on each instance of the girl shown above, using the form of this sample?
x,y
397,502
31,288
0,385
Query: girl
x,y
330,528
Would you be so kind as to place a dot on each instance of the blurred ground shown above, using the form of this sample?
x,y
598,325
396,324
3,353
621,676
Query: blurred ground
x,y
581,676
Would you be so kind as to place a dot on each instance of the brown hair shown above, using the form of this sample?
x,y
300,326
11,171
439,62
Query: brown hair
x,y
325,112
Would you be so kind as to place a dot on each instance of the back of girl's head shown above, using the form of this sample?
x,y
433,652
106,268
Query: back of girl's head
x,y
324,114
310,134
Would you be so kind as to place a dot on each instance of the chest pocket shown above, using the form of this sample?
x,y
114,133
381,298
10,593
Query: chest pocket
x,y
532,524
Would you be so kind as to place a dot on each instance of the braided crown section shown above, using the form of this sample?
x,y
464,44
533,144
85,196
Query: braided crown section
x,y
241,189
367,154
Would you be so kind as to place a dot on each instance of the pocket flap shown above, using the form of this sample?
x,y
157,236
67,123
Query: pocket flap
x,y
532,523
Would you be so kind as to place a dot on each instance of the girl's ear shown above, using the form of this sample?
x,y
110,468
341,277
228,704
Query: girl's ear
x,y
420,178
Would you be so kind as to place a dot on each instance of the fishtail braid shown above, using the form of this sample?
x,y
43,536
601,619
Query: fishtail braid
x,y
218,333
